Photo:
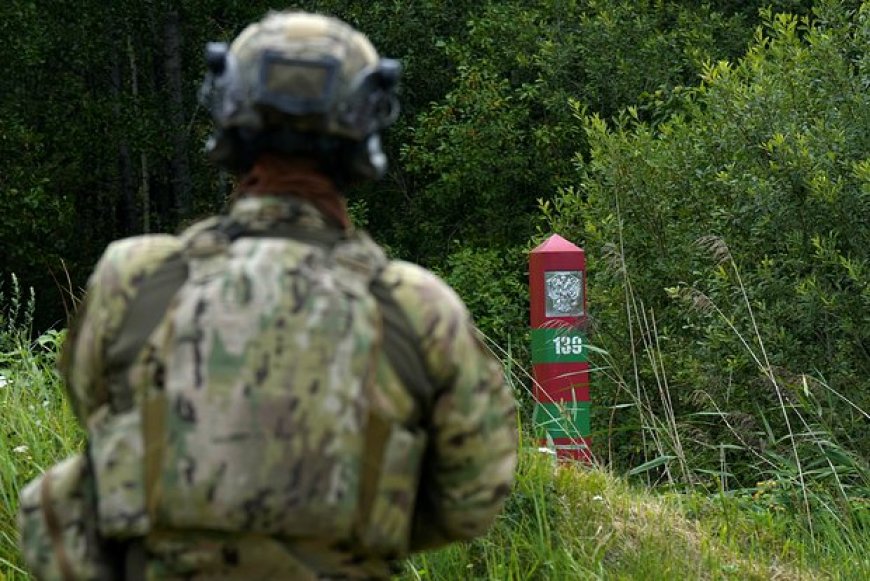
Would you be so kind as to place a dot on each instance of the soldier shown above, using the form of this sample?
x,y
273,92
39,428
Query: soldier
x,y
267,395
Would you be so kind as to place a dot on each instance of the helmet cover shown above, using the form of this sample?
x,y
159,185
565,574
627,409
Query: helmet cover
x,y
305,72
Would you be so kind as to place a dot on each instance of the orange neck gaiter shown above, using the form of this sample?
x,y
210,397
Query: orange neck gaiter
x,y
274,175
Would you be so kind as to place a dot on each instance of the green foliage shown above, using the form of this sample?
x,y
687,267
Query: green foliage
x,y
504,134
493,286
728,252
112,145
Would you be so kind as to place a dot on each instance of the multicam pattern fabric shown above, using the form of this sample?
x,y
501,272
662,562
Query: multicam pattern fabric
x,y
268,354
272,419
300,37
59,536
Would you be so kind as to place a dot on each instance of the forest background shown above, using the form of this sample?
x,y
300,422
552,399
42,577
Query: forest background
x,y
710,157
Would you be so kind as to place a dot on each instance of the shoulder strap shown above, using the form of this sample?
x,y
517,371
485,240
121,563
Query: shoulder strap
x,y
143,314
55,531
402,347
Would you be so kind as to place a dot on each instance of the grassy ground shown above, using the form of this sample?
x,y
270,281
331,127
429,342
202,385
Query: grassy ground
x,y
585,523
561,522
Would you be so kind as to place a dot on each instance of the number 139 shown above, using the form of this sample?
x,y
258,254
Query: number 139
x,y
568,345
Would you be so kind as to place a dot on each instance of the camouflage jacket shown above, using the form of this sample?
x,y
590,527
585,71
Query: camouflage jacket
x,y
467,418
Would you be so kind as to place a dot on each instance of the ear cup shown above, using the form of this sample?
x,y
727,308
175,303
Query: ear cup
x,y
366,159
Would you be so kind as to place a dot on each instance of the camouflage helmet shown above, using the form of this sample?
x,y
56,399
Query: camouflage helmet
x,y
300,83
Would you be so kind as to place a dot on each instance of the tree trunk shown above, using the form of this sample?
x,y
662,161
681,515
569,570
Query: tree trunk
x,y
125,166
144,193
181,179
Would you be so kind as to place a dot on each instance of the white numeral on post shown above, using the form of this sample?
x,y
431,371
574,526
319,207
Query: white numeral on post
x,y
568,345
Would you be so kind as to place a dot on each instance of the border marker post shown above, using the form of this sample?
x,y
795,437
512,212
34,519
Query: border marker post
x,y
557,284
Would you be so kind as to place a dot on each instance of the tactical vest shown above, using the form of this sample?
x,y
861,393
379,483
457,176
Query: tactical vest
x,y
256,416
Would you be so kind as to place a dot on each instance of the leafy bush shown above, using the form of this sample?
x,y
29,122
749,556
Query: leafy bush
x,y
503,136
729,248
493,285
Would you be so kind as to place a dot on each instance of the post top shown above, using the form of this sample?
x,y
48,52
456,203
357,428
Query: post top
x,y
556,243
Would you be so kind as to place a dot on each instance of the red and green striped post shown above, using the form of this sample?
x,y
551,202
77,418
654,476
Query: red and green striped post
x,y
557,282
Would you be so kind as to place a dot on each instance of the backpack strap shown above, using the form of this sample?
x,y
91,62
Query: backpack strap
x,y
402,347
143,314
55,531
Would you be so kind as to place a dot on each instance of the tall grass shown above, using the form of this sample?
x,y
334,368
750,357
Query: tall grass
x,y
804,466
585,522
37,427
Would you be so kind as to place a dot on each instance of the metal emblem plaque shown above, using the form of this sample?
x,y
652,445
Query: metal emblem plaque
x,y
564,293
